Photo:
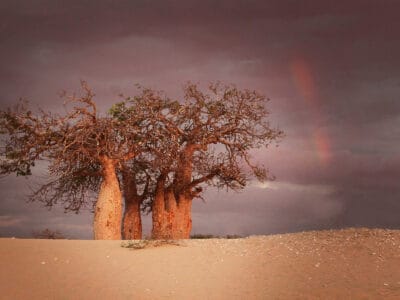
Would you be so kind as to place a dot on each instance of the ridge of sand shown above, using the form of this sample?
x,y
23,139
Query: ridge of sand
x,y
335,264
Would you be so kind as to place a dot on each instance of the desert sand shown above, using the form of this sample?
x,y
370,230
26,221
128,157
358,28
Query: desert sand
x,y
342,264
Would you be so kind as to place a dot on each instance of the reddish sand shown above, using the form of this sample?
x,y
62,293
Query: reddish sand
x,y
345,264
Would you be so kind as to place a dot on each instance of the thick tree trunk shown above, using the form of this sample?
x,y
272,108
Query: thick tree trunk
x,y
171,218
132,228
132,222
108,210
172,206
157,210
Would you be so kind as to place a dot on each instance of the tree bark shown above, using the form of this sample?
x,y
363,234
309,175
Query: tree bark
x,y
108,210
132,224
172,206
171,216
158,210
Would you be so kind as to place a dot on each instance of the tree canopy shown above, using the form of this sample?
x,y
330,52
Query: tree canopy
x,y
156,153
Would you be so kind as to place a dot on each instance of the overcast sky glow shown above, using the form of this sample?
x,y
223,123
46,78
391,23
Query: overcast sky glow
x,y
331,71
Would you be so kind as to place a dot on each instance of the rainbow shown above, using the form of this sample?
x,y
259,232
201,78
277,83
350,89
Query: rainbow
x,y
305,84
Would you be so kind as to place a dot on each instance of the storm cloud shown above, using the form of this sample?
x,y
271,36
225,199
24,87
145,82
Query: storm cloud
x,y
331,71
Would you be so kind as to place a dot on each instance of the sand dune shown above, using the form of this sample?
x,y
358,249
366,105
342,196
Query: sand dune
x,y
344,264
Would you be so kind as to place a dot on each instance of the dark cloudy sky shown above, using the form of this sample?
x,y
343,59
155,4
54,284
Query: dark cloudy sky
x,y
331,69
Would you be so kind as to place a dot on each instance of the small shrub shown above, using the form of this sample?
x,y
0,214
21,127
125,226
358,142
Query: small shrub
x,y
233,236
203,236
210,236
142,244
48,234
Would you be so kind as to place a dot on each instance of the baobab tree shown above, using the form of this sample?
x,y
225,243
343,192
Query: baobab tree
x,y
85,153
139,175
161,152
210,136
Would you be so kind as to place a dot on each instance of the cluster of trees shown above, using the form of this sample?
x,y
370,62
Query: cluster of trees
x,y
148,153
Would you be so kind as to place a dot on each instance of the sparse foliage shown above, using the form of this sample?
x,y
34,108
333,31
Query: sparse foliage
x,y
161,152
85,153
206,140
48,234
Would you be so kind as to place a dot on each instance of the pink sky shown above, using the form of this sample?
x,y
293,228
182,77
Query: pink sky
x,y
330,70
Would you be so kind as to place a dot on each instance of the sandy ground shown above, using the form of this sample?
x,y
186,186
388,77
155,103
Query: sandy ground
x,y
345,264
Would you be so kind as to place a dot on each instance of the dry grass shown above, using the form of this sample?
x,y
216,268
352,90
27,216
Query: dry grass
x,y
143,244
